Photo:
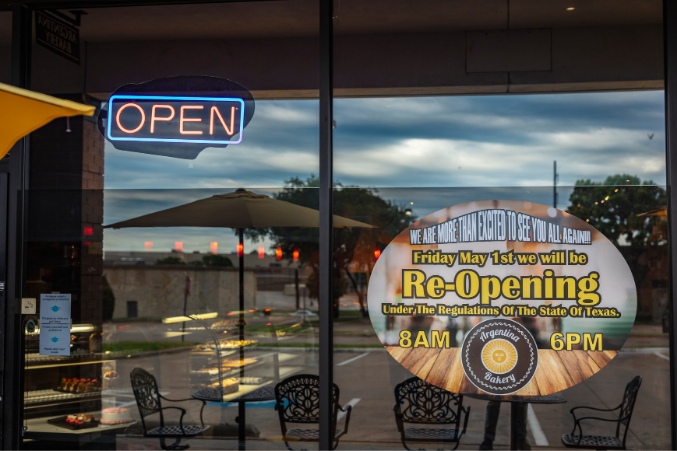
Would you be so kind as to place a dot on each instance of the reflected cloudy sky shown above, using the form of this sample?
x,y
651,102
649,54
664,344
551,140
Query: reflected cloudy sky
x,y
455,142
499,140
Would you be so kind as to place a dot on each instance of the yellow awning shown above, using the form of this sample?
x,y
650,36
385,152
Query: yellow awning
x,y
23,111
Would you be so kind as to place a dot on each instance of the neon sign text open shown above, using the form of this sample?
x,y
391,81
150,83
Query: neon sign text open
x,y
203,120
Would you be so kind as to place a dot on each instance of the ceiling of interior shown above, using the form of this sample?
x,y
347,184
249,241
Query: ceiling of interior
x,y
291,18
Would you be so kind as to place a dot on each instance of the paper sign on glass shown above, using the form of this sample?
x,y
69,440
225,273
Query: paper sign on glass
x,y
55,324
55,339
55,308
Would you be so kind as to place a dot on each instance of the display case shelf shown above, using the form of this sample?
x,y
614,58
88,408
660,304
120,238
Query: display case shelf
x,y
50,396
39,362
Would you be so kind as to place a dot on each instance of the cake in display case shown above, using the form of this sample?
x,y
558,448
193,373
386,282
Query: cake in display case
x,y
116,415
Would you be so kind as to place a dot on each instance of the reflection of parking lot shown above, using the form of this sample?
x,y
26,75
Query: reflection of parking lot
x,y
367,375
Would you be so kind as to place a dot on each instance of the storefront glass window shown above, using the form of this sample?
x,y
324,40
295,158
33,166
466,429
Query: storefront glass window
x,y
211,303
442,105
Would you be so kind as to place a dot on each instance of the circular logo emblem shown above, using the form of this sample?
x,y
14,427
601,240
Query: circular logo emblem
x,y
499,356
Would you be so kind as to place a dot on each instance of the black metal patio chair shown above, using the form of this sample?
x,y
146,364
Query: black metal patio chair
x,y
298,401
418,402
605,442
148,399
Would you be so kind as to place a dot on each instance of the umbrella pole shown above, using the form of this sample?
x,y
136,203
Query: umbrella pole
x,y
241,265
186,289
241,405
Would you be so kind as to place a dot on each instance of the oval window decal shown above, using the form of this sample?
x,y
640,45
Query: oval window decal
x,y
502,297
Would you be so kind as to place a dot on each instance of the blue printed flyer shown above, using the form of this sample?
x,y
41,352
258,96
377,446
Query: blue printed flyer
x,y
55,339
55,324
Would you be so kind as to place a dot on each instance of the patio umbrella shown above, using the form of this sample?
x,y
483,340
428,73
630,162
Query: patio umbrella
x,y
240,210
24,111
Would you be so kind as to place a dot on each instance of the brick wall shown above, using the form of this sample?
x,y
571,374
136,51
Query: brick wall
x,y
66,211
92,219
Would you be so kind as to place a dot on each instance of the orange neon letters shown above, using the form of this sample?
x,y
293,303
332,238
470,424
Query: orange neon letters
x,y
232,120
154,118
182,119
143,118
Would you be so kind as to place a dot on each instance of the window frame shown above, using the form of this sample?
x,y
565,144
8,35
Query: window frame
x,y
12,379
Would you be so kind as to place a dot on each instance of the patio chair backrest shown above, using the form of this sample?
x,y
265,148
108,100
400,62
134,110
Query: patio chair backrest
x,y
147,395
628,405
298,399
423,403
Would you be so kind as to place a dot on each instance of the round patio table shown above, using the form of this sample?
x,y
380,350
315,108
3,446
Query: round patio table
x,y
266,393
517,406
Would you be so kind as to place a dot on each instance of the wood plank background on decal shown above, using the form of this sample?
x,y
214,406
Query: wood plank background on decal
x,y
557,370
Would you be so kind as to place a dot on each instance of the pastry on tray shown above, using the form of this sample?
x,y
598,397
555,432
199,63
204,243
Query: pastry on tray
x,y
230,385
111,380
204,348
75,385
79,419
88,386
236,363
235,343
223,323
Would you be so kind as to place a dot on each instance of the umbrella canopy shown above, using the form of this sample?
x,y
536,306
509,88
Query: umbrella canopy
x,y
660,211
23,111
238,210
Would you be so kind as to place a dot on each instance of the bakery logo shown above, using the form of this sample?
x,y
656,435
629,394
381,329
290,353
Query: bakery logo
x,y
499,356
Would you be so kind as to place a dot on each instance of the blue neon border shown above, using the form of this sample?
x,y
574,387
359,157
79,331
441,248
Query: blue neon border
x,y
197,141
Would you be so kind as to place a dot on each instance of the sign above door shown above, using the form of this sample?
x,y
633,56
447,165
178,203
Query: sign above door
x,y
58,36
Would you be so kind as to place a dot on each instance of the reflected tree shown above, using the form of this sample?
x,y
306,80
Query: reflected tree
x,y
615,208
170,261
108,300
354,249
217,260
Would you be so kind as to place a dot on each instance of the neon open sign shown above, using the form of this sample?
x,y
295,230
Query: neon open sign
x,y
206,120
